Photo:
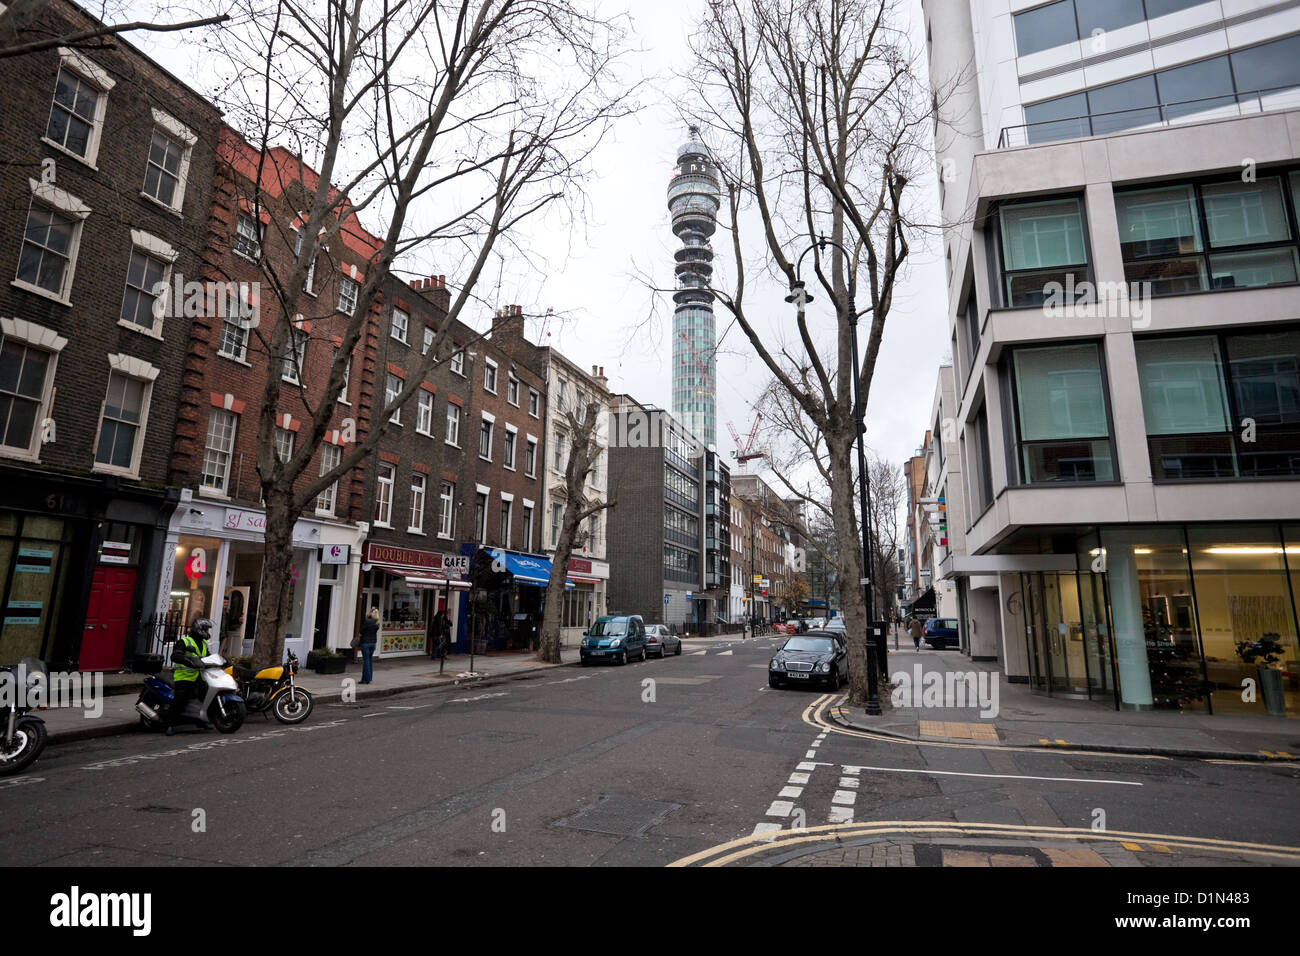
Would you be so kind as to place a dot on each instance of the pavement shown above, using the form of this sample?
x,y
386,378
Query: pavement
x,y
392,676
1025,719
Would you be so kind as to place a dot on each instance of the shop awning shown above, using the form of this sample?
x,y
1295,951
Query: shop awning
x,y
417,583
924,604
527,568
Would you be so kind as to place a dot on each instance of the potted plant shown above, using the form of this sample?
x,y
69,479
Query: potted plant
x,y
1265,653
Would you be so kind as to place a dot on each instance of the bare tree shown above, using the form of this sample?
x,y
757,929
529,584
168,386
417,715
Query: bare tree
x,y
888,501
819,124
452,124
20,34
578,508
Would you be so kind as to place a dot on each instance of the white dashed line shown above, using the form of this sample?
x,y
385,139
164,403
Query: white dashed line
x,y
792,793
768,829
780,808
844,798
840,815
849,783
799,778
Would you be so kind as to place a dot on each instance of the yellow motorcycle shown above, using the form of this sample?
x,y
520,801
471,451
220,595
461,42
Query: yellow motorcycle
x,y
275,689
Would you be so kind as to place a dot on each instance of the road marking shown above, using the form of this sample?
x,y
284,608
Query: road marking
x,y
800,778
464,700
399,707
844,798
996,776
376,714
840,815
780,808
810,755
811,764
743,847
725,653
791,792
697,653
767,830
19,782
1131,846
850,783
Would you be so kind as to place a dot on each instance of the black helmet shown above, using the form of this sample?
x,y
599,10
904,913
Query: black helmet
x,y
202,628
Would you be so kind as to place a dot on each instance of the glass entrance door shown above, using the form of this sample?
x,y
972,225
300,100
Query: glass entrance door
x,y
1054,625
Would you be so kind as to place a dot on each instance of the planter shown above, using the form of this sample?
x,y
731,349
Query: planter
x,y
1270,688
331,665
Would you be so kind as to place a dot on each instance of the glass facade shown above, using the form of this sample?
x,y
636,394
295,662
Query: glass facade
x,y
1198,618
1062,432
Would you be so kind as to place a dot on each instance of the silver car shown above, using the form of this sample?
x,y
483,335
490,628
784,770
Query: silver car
x,y
659,640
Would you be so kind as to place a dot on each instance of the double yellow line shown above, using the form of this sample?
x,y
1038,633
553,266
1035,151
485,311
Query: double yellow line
x,y
767,843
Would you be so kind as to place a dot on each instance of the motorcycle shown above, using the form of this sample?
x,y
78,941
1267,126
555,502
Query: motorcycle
x,y
23,733
274,689
221,706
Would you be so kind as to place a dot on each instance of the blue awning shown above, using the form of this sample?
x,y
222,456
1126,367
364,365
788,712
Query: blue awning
x,y
527,568
815,603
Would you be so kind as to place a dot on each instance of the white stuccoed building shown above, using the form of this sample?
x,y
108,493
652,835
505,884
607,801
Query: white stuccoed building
x,y
1120,184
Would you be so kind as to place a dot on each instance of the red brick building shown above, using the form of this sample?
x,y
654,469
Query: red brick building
x,y
105,174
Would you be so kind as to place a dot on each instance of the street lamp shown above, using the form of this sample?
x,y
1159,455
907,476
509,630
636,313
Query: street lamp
x,y
800,298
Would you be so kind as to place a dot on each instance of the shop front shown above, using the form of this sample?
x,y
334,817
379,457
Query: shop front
x,y
586,601
504,610
216,572
1197,618
410,587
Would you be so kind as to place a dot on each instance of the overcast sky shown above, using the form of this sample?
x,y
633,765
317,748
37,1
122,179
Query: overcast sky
x,y
595,275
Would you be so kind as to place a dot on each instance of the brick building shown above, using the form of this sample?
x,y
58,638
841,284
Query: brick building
x,y
217,533
105,170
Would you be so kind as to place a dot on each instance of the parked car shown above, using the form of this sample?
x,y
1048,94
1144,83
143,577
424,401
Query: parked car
x,y
618,638
941,632
784,628
659,639
818,656
835,624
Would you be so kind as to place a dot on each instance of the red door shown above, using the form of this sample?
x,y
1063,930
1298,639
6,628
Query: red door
x,y
103,640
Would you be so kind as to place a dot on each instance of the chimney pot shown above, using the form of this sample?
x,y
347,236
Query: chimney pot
x,y
442,282
415,283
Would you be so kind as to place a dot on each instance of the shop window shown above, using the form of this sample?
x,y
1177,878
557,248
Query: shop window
x,y
1062,429
1042,245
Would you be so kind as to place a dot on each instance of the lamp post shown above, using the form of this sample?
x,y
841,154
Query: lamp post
x,y
800,298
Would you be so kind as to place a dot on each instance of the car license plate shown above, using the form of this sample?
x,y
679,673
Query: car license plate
x,y
798,674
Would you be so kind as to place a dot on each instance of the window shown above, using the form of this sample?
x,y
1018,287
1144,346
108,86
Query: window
x,y
348,290
490,376
22,394
49,244
1269,66
1247,238
512,391
557,524
283,444
593,535
534,402
1045,27
143,274
446,502
458,362
330,456
1208,82
219,450
508,459
384,497
392,388
1063,432
1042,244
1124,105
75,115
528,528
530,458
424,414
505,523
164,170
453,424
428,340
1065,117
401,322
248,238
562,396
120,422
559,459
295,357
234,331
347,378
485,440
417,504
1196,404
480,516
597,464
1055,24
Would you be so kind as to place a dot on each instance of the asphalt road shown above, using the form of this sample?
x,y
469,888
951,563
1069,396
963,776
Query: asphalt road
x,y
597,766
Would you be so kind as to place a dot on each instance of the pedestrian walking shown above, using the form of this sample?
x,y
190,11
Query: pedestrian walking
x,y
915,628
369,638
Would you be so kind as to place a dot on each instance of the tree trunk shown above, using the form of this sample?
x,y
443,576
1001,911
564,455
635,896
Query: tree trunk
x,y
273,601
849,543
552,614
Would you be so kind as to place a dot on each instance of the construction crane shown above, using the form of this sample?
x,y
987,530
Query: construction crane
x,y
695,357
744,450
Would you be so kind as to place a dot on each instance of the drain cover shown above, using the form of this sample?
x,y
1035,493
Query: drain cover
x,y
621,816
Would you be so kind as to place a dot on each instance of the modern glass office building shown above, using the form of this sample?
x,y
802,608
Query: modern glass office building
x,y
693,200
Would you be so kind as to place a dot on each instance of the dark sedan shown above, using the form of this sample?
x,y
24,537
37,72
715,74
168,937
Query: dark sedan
x,y
818,656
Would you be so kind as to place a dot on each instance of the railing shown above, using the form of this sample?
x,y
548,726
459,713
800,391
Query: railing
x,y
158,632
1148,117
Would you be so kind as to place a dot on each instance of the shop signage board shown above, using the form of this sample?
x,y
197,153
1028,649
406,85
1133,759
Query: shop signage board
x,y
388,554
581,565
458,563
115,552
336,554
237,520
